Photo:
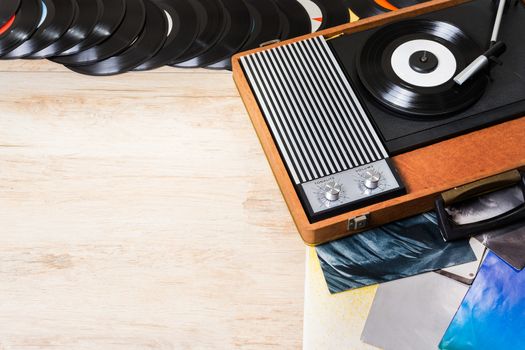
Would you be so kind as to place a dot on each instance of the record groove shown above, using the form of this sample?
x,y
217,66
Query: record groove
x,y
121,39
112,16
365,8
25,24
147,44
60,14
238,23
335,13
212,22
374,66
7,10
4,28
183,32
296,20
266,26
87,17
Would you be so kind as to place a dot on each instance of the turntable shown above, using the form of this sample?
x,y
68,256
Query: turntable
x,y
370,122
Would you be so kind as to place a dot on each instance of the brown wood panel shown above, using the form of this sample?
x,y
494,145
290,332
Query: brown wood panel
x,y
426,172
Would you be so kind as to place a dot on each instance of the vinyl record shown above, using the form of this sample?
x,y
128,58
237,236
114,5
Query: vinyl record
x,y
121,39
111,18
212,23
295,20
148,43
405,3
7,10
4,28
26,22
365,8
387,5
334,13
409,68
59,15
315,14
235,34
266,26
182,31
86,18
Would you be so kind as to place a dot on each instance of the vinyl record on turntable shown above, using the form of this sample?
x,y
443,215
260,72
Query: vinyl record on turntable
x,y
109,21
25,23
212,22
58,17
409,68
146,45
121,39
183,27
235,34
87,16
295,19
7,10
266,26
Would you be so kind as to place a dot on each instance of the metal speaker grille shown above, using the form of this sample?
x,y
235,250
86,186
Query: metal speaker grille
x,y
311,109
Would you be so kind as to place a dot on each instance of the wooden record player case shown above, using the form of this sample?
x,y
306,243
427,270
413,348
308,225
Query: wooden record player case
x,y
426,172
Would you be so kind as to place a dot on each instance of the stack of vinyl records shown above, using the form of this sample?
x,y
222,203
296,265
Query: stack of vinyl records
x,y
106,37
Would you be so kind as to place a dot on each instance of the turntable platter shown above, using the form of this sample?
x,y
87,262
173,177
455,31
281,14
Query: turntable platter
x,y
409,67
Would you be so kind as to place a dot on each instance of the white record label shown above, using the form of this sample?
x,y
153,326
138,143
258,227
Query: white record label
x,y
444,71
314,12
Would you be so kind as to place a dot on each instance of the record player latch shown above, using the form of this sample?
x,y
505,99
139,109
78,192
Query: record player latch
x,y
359,222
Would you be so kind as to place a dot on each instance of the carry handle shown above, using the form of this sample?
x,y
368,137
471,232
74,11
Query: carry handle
x,y
452,231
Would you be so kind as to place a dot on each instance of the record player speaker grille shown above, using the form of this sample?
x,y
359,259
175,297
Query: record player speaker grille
x,y
315,117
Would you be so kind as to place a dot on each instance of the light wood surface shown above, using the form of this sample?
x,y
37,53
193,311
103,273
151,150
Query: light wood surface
x,y
139,212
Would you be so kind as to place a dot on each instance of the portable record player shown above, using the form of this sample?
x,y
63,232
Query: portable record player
x,y
369,122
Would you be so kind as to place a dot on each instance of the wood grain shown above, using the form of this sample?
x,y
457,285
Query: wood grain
x,y
138,212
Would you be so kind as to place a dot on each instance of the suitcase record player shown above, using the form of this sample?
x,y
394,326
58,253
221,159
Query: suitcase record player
x,y
368,122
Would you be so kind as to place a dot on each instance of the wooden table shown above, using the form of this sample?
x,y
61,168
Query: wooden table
x,y
138,211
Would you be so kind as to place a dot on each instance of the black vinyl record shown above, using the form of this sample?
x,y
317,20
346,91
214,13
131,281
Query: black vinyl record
x,y
405,3
147,44
87,16
266,26
212,23
122,38
235,34
183,31
60,14
295,20
7,10
111,18
365,8
335,13
392,68
25,24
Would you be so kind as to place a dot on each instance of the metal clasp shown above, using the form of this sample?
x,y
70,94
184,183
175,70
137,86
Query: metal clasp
x,y
359,222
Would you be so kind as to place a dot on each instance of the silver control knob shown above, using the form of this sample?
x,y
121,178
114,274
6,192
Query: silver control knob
x,y
332,190
372,179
